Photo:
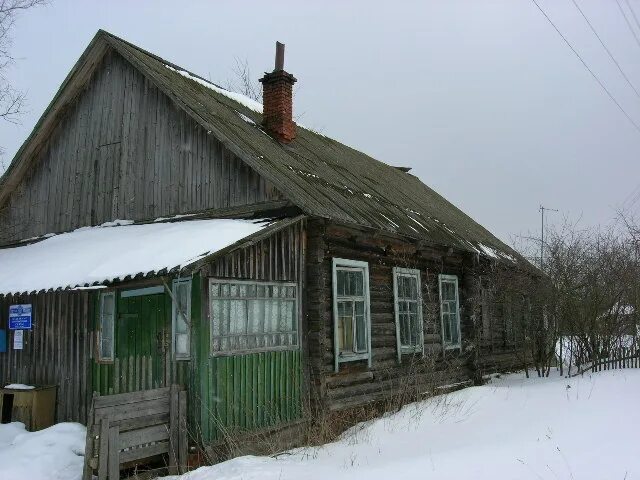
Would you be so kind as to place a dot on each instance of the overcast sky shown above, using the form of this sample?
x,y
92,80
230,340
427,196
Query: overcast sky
x,y
483,99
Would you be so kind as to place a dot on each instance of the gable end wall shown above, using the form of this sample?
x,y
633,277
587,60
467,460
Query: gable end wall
x,y
123,150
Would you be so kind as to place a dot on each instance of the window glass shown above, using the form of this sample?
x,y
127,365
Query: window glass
x,y
361,327
252,316
182,318
107,326
345,327
351,311
449,311
408,310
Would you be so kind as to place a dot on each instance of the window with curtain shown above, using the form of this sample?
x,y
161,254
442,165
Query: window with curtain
x,y
408,310
351,311
251,316
449,311
106,333
182,318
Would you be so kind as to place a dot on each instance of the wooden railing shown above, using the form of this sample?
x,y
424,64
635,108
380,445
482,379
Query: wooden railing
x,y
129,428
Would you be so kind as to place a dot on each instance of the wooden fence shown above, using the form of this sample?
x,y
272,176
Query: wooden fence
x,y
623,357
126,429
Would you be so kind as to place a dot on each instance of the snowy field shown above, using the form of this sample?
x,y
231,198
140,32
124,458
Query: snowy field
x,y
514,428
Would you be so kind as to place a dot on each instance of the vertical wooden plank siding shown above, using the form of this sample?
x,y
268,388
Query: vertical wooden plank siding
x,y
244,400
130,155
255,390
56,351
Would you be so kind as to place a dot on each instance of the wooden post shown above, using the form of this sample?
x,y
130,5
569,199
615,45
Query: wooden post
x,y
183,440
173,430
103,453
87,473
114,453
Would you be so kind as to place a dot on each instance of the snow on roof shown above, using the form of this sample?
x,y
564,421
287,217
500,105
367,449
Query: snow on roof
x,y
250,103
94,255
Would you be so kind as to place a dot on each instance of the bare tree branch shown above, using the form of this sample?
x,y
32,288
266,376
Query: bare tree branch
x,y
12,100
244,82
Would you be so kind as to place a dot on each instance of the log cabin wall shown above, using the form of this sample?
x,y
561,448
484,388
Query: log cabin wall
x,y
123,150
57,350
356,384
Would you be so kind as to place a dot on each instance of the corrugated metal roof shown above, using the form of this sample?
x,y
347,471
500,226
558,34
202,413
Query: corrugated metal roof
x,y
96,255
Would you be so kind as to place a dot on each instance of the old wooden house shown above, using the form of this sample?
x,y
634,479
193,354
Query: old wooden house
x,y
165,230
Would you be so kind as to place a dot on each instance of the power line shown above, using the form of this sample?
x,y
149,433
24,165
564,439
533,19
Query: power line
x,y
587,67
606,49
626,19
633,193
633,12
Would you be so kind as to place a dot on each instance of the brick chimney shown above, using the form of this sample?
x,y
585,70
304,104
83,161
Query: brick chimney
x,y
277,100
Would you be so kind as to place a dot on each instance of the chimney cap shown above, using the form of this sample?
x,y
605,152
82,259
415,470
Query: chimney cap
x,y
279,57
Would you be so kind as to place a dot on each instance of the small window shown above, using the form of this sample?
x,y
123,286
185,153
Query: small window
x,y
106,333
449,311
408,310
182,318
351,312
252,316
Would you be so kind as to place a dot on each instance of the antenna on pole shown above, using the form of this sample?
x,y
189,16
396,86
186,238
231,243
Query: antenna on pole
x,y
542,210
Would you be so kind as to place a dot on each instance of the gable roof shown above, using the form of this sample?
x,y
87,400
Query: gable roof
x,y
318,174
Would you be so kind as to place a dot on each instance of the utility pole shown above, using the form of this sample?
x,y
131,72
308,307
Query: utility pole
x,y
542,210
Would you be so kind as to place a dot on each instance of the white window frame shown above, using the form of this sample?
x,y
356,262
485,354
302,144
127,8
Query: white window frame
x,y
174,317
408,272
278,283
449,278
99,356
345,264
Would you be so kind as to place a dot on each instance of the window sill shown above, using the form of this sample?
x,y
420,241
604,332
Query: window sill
x,y
353,358
257,350
411,350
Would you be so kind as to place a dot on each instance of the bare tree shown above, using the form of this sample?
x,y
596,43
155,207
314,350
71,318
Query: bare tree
x,y
244,82
12,100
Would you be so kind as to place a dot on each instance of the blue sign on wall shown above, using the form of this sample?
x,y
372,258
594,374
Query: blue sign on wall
x,y
20,317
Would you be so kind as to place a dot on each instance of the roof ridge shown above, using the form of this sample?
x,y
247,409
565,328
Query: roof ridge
x,y
168,63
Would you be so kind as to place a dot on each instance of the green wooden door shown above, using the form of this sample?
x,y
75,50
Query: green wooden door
x,y
142,341
142,345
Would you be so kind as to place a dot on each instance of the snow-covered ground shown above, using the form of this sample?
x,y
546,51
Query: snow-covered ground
x,y
56,453
514,428
584,428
